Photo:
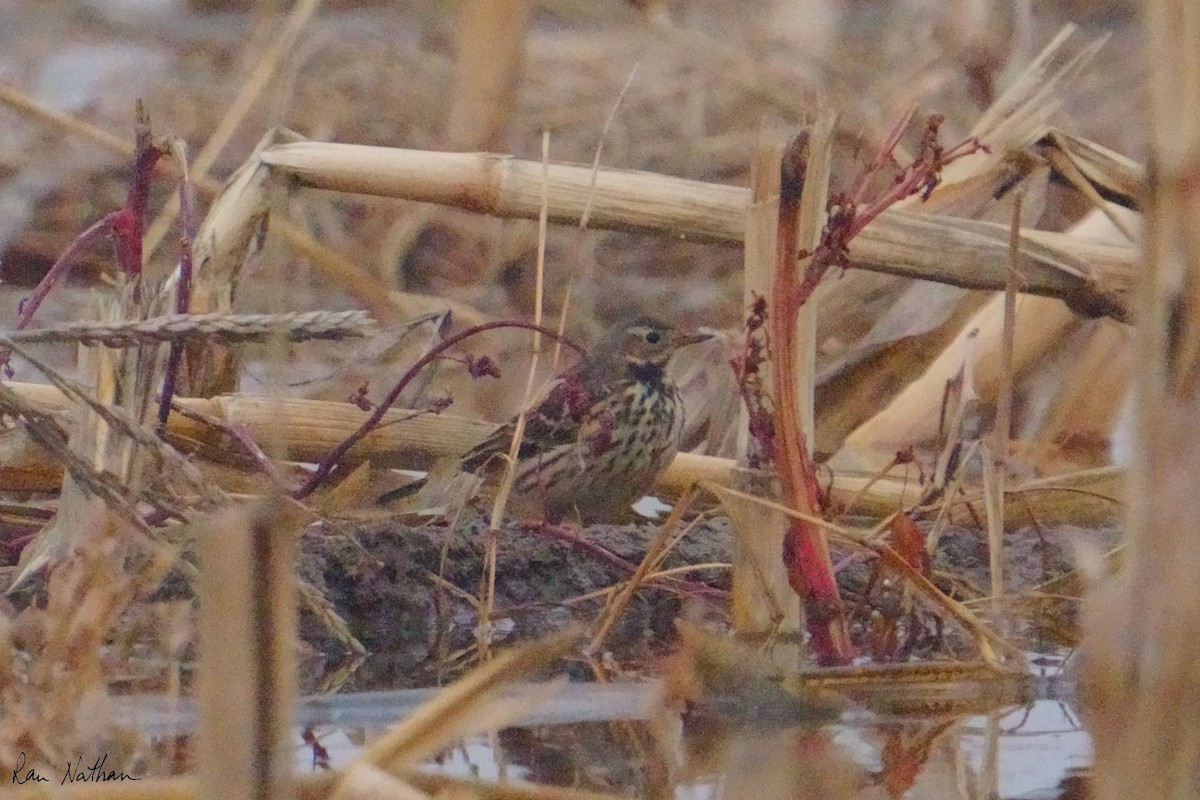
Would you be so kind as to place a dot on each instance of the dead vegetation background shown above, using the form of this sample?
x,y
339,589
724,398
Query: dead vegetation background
x,y
704,84
686,89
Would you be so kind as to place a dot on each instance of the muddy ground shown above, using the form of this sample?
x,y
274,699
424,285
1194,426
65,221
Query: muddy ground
x,y
382,579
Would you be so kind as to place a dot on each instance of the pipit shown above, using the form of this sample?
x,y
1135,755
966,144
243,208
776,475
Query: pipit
x,y
599,438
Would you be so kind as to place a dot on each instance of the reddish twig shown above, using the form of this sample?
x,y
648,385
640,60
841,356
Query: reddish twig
x,y
805,549
129,225
747,367
183,288
606,556
806,552
29,306
335,456
125,225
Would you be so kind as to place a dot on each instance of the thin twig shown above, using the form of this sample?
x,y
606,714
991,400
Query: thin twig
x,y
334,457
183,288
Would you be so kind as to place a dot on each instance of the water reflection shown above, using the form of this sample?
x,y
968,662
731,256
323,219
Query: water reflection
x,y
1024,752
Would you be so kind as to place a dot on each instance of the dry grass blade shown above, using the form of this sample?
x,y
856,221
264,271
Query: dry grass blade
x,y
514,448
657,550
467,706
995,464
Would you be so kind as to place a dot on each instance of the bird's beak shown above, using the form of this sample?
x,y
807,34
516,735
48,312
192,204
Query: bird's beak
x,y
693,338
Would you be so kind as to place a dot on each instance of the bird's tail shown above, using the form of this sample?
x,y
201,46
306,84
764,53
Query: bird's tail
x,y
405,491
443,490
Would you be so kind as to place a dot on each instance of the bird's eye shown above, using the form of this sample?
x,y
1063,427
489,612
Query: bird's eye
x,y
653,337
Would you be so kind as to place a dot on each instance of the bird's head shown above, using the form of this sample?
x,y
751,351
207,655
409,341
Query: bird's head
x,y
644,343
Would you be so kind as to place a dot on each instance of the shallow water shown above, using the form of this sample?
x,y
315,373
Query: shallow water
x,y
610,738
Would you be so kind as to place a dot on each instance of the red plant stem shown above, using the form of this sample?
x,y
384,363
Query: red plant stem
x,y
805,550
29,306
125,224
183,289
604,555
130,224
883,157
336,455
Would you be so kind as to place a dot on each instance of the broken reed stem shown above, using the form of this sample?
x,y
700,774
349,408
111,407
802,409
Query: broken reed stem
x,y
968,253
763,602
805,550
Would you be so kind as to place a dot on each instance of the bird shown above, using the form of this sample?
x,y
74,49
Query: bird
x,y
598,438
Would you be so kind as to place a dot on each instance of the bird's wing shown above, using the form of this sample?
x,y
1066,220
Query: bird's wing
x,y
552,422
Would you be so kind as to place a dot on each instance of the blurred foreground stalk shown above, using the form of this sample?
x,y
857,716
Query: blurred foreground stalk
x,y
1141,649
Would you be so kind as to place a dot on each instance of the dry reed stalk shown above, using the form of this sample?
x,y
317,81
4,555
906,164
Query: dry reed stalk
x,y
963,253
246,685
1141,647
762,602
995,466
309,429
491,48
510,473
